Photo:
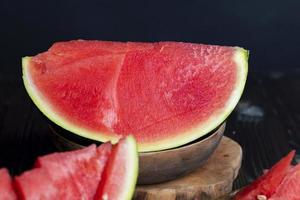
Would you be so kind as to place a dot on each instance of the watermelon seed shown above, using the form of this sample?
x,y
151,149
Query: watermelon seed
x,y
261,197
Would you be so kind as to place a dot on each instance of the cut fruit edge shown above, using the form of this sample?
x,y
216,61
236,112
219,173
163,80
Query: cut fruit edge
x,y
133,160
267,183
50,113
240,58
88,158
129,180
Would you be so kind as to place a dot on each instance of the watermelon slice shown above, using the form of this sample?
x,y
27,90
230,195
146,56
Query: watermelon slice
x,y
84,166
6,187
120,175
289,189
166,94
106,171
68,175
39,183
267,184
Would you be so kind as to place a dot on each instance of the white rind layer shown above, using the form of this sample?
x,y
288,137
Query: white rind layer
x,y
131,175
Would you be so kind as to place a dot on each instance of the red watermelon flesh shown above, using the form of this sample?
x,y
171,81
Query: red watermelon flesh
x,y
171,94
120,174
88,176
289,189
39,183
165,94
68,175
69,158
268,183
84,166
6,187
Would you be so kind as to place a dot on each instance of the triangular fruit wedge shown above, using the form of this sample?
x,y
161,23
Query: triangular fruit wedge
x,y
165,94
106,171
68,175
120,174
6,187
39,183
267,183
84,166
289,189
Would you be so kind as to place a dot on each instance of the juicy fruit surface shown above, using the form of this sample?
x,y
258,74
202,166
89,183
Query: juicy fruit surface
x,y
68,175
106,172
155,91
120,175
84,166
268,183
40,184
6,188
173,91
289,189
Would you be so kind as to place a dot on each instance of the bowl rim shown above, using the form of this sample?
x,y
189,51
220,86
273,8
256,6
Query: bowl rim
x,y
219,130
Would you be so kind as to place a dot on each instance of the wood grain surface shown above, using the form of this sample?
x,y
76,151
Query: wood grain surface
x,y
210,181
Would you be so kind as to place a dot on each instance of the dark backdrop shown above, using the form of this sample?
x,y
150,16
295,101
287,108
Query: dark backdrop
x,y
269,28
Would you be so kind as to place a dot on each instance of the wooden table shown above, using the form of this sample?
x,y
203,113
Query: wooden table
x,y
266,123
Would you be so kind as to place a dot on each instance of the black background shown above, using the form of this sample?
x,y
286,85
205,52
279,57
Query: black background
x,y
270,29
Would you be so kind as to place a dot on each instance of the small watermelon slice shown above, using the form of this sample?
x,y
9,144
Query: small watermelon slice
x,y
88,173
166,94
267,184
39,183
120,175
67,175
289,189
6,187
83,166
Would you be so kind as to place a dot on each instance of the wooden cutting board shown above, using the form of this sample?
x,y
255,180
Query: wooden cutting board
x,y
210,181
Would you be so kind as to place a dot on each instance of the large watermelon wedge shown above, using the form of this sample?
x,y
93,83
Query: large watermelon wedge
x,y
166,94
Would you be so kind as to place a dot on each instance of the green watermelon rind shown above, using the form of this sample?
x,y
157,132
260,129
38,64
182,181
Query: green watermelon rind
x,y
240,57
133,160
